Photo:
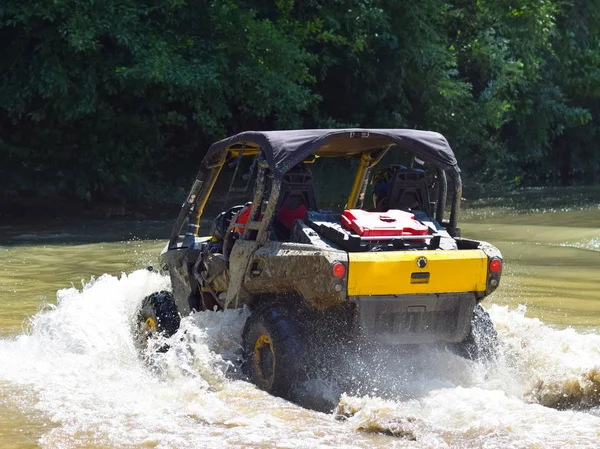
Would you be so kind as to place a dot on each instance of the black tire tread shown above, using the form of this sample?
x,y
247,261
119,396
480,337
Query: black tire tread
x,y
283,326
161,307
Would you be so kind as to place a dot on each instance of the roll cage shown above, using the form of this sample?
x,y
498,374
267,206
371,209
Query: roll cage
x,y
278,151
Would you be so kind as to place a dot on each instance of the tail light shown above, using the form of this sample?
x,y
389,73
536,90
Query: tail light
x,y
494,271
495,265
338,270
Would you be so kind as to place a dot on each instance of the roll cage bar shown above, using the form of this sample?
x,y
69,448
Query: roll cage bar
x,y
193,207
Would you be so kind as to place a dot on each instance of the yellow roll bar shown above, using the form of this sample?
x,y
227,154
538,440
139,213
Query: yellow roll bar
x,y
206,194
365,158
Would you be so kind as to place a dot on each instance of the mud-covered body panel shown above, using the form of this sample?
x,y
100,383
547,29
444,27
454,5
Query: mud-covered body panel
x,y
239,262
176,261
283,267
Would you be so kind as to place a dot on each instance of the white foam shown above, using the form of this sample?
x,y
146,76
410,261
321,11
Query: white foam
x,y
79,363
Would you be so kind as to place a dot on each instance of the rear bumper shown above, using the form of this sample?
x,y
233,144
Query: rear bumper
x,y
414,319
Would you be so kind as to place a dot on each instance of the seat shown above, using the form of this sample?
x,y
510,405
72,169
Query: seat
x,y
296,198
297,188
408,191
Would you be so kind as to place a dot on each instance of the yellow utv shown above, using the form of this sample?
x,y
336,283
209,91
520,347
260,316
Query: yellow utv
x,y
388,268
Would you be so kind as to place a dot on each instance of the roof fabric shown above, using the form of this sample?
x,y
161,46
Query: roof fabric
x,y
284,149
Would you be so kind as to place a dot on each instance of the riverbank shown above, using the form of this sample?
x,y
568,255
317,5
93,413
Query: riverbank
x,y
28,209
32,208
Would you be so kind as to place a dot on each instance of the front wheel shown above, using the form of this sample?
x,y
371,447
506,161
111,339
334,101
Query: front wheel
x,y
275,349
157,317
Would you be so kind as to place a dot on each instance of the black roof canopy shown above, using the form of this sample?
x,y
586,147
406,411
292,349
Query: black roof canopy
x,y
284,149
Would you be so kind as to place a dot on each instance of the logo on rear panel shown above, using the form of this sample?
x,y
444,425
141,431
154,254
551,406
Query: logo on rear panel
x,y
421,262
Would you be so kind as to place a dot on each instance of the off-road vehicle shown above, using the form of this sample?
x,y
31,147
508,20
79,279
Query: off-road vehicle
x,y
395,272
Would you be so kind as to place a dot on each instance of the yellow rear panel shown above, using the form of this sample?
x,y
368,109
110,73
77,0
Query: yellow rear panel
x,y
397,272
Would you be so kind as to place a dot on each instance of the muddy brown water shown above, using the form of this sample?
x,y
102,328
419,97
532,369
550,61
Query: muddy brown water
x,y
70,376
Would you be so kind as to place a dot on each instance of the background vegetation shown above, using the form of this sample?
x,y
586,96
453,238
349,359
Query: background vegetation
x,y
117,100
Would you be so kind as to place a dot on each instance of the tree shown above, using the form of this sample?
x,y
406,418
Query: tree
x,y
97,96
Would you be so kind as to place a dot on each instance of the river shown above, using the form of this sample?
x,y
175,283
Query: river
x,y
70,376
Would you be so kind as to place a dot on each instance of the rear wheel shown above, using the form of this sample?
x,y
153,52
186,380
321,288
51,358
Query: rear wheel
x,y
157,317
482,342
275,349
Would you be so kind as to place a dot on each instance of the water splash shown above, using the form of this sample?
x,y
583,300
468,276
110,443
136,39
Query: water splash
x,y
501,406
556,368
79,362
77,366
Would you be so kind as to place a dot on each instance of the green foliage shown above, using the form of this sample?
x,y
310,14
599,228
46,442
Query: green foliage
x,y
97,97
119,99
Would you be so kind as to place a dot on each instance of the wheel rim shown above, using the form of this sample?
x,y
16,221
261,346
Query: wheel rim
x,y
264,362
147,330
